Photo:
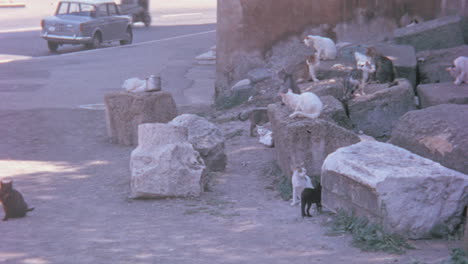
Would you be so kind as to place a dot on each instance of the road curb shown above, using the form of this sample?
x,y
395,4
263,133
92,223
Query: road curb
x,y
12,5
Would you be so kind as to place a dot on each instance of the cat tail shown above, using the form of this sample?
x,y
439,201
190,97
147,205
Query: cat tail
x,y
299,113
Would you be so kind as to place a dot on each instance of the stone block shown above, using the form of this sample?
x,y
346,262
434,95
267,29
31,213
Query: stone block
x,y
206,138
442,93
405,193
333,87
258,75
441,33
439,133
432,64
376,113
165,164
125,111
334,111
305,140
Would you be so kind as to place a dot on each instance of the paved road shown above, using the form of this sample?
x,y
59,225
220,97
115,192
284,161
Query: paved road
x,y
77,76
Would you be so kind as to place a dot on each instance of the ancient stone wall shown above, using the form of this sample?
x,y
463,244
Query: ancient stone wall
x,y
247,30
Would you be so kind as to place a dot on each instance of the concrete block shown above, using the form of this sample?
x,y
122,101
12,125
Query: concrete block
x,y
439,133
125,111
432,64
377,112
442,93
305,140
394,187
441,33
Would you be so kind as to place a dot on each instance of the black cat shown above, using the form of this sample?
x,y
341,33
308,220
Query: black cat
x,y
12,201
310,196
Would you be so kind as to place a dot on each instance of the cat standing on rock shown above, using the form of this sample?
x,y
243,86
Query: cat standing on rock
x,y
459,70
306,104
325,47
358,78
12,201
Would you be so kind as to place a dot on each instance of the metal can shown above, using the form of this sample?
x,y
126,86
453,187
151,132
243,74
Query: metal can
x,y
153,83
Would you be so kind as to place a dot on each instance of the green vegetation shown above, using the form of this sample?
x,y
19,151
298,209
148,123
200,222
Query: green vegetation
x,y
280,181
368,236
458,256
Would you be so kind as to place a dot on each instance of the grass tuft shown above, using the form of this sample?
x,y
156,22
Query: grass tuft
x,y
368,236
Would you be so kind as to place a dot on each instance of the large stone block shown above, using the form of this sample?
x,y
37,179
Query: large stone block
x,y
441,33
376,113
432,64
333,87
334,111
442,93
165,164
305,140
402,191
125,111
206,138
439,133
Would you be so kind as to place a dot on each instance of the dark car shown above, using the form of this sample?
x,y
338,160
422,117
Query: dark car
x,y
88,22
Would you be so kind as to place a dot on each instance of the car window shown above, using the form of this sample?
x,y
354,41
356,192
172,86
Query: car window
x,y
74,9
87,10
62,9
112,9
101,11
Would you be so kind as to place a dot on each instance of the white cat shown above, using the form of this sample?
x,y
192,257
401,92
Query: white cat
x,y
367,66
459,70
299,181
325,47
312,63
306,104
134,85
265,136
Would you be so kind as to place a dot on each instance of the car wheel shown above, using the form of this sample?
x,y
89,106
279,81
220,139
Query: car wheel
x,y
147,19
129,38
53,46
96,41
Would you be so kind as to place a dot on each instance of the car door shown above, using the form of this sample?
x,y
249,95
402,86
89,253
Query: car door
x,y
103,22
118,24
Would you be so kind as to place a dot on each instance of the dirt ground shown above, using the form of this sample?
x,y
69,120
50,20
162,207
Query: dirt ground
x,y
63,163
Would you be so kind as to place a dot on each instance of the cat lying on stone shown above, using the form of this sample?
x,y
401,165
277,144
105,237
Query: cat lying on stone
x,y
299,181
306,104
310,196
257,116
459,70
12,201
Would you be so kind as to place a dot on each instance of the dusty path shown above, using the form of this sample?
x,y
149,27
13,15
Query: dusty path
x,y
78,182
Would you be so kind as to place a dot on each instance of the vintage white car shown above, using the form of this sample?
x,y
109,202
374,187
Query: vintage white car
x,y
88,22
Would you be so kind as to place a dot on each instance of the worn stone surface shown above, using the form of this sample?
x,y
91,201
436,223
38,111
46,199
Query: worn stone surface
x,y
442,93
376,113
394,187
165,164
206,138
258,75
333,87
432,64
305,140
334,111
439,133
444,32
125,111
